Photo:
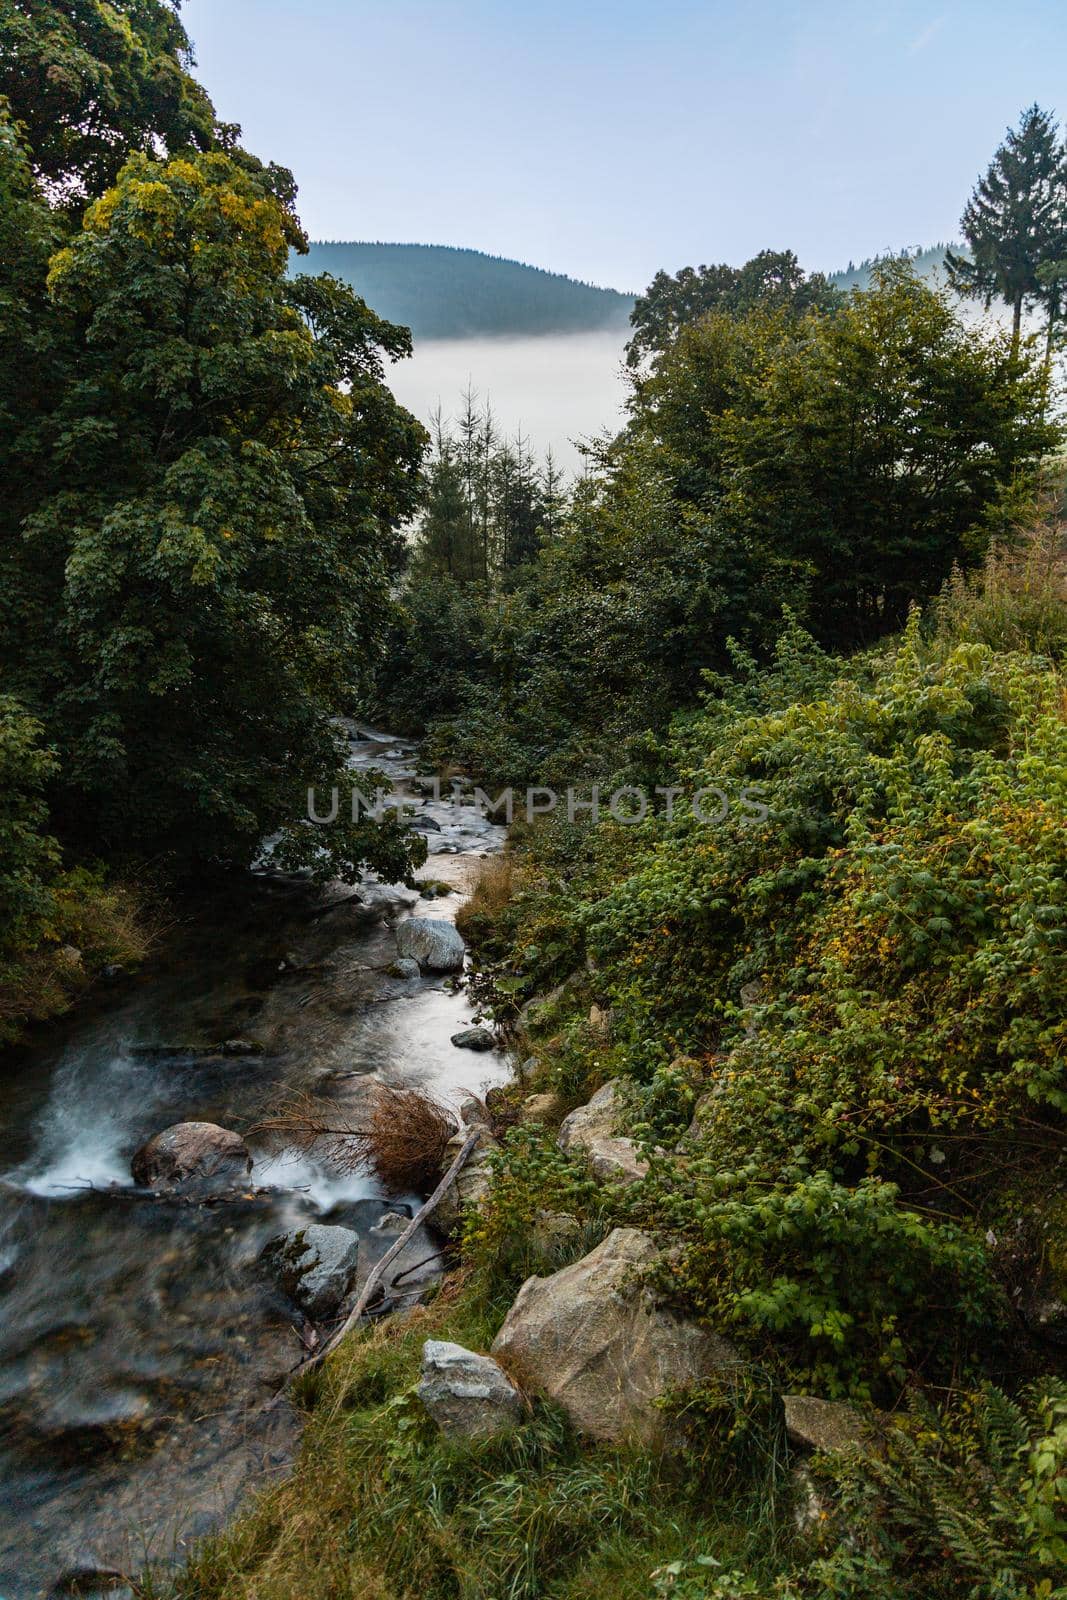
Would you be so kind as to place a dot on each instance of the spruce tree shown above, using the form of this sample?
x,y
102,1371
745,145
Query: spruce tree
x,y
1010,221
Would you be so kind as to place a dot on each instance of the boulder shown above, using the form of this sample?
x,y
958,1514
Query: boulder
x,y
468,1396
433,943
594,1338
474,1039
403,967
314,1265
192,1154
823,1424
591,1128
541,1108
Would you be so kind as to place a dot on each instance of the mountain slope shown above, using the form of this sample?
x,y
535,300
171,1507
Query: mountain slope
x,y
444,293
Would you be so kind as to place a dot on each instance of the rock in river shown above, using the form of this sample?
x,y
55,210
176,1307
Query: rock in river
x,y
432,942
192,1154
315,1265
474,1039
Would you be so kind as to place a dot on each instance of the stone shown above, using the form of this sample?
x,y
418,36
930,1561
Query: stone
x,y
474,1039
404,967
239,1047
469,1189
541,1108
591,1129
435,944
469,1396
314,1265
474,1111
594,1338
412,1275
192,1153
811,1511
823,1424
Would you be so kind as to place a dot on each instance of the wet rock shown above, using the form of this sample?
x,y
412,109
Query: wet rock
x,y
591,1129
426,825
474,1111
189,1154
823,1424
469,1396
404,967
474,1039
239,1047
433,943
315,1266
412,1275
594,1339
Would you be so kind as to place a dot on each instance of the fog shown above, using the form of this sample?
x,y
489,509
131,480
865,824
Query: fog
x,y
556,388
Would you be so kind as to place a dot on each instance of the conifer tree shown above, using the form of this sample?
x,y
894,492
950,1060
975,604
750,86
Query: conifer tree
x,y
1011,221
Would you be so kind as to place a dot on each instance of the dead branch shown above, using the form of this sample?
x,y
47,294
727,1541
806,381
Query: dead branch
x,y
378,1271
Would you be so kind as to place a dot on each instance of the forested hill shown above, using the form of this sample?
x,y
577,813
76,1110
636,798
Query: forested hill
x,y
440,292
926,263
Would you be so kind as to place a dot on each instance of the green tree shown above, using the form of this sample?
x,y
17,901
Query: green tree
x,y
1014,219
858,456
92,81
773,280
205,573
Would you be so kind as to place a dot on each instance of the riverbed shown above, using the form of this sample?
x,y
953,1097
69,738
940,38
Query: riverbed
x,y
141,1338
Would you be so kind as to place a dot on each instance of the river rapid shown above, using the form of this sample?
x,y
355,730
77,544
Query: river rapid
x,y
140,1338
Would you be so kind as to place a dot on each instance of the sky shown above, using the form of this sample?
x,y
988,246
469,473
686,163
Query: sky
x,y
609,138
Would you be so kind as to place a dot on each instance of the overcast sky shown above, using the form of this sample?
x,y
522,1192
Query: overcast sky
x,y
606,138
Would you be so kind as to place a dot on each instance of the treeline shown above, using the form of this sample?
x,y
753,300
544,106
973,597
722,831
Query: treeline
x,y
440,292
205,480
835,465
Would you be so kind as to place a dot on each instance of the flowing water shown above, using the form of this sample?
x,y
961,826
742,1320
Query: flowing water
x,y
139,1339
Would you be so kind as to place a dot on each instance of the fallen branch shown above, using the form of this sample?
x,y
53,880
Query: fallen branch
x,y
378,1271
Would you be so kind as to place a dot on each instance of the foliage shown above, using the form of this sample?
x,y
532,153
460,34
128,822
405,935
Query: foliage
x,y
205,573
92,81
838,467
901,912
58,925
772,280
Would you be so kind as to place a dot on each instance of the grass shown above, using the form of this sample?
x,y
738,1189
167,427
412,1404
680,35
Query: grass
x,y
382,1507
491,892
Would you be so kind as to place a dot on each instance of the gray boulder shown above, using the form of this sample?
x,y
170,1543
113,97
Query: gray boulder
x,y
432,942
474,1039
192,1154
594,1338
468,1396
591,1129
404,967
315,1266
824,1424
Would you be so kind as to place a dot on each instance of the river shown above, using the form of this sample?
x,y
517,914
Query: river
x,y
139,1339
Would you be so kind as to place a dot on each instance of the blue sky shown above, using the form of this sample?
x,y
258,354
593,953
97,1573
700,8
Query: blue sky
x,y
606,138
